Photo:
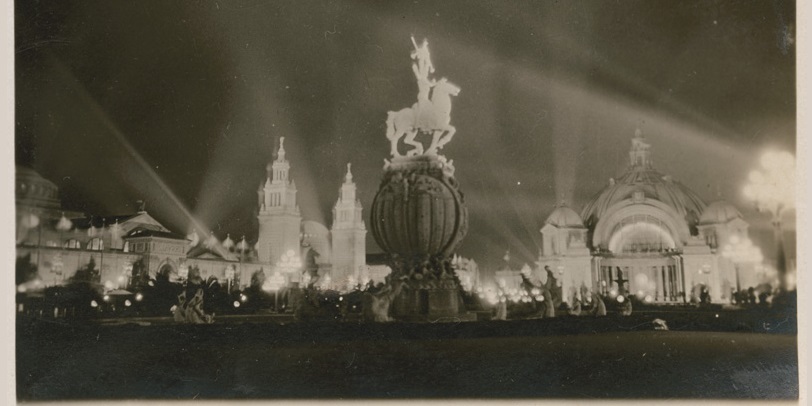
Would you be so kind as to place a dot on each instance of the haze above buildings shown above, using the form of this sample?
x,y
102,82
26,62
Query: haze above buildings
x,y
181,106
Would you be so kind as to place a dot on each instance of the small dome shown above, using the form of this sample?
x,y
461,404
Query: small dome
x,y
228,242
34,190
719,212
564,216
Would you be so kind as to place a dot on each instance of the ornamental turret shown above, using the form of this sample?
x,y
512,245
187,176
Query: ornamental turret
x,y
279,217
349,234
640,154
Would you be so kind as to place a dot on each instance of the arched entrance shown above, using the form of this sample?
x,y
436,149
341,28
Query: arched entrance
x,y
641,254
654,279
165,272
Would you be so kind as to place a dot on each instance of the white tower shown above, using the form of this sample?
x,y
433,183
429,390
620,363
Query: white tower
x,y
279,218
349,234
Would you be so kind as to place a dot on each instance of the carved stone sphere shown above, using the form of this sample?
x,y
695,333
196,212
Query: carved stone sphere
x,y
418,213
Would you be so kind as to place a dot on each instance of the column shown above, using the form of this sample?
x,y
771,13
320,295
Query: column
x,y
664,281
680,278
658,289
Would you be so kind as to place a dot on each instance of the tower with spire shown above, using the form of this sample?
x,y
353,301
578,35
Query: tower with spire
x,y
279,217
348,233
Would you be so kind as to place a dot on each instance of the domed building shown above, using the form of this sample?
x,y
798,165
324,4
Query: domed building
x,y
644,234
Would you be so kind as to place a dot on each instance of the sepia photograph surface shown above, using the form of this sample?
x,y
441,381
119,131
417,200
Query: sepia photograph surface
x,y
329,200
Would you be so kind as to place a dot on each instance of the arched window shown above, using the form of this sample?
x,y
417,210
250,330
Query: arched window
x,y
72,244
641,234
95,244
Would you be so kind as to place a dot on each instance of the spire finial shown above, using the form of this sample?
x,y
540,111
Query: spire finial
x,y
348,176
281,152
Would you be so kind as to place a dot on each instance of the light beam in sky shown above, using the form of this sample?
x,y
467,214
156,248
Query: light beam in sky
x,y
164,199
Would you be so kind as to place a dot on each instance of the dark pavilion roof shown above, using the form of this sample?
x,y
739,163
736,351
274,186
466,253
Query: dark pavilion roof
x,y
97,221
144,232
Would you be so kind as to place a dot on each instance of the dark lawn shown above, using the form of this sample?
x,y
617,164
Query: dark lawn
x,y
609,357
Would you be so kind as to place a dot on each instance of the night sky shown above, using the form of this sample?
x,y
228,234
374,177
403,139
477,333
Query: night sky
x,y
181,103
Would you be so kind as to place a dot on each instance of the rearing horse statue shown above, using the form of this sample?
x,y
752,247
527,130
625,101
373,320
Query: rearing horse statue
x,y
432,115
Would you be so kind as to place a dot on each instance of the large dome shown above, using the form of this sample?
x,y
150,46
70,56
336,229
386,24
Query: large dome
x,y
642,177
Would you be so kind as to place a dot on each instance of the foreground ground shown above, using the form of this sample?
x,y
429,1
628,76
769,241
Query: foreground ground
x,y
703,356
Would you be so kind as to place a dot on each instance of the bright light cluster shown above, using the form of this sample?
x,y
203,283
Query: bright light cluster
x,y
494,296
773,189
290,261
742,250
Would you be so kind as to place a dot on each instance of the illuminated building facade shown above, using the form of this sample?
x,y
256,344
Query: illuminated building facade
x,y
60,242
645,234
349,235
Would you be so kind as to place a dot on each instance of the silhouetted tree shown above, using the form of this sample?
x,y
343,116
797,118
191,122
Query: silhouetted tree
x,y
140,275
88,273
258,279
26,270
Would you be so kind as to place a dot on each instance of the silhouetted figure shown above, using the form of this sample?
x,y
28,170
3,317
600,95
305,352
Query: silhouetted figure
x,y
599,306
501,310
212,296
179,310
626,307
549,303
576,307
376,304
704,295
194,310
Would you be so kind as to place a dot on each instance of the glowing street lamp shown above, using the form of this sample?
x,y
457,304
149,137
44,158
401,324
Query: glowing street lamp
x,y
183,272
242,247
773,190
741,251
273,284
63,225
289,263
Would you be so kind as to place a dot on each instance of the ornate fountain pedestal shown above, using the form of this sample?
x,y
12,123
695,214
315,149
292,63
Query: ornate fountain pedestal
x,y
419,218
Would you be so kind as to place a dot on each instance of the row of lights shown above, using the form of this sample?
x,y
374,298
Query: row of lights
x,y
106,298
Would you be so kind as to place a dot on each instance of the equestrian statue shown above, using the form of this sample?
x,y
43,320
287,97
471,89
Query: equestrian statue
x,y
432,112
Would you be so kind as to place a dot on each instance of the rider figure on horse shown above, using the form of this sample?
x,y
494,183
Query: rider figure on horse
x,y
422,67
